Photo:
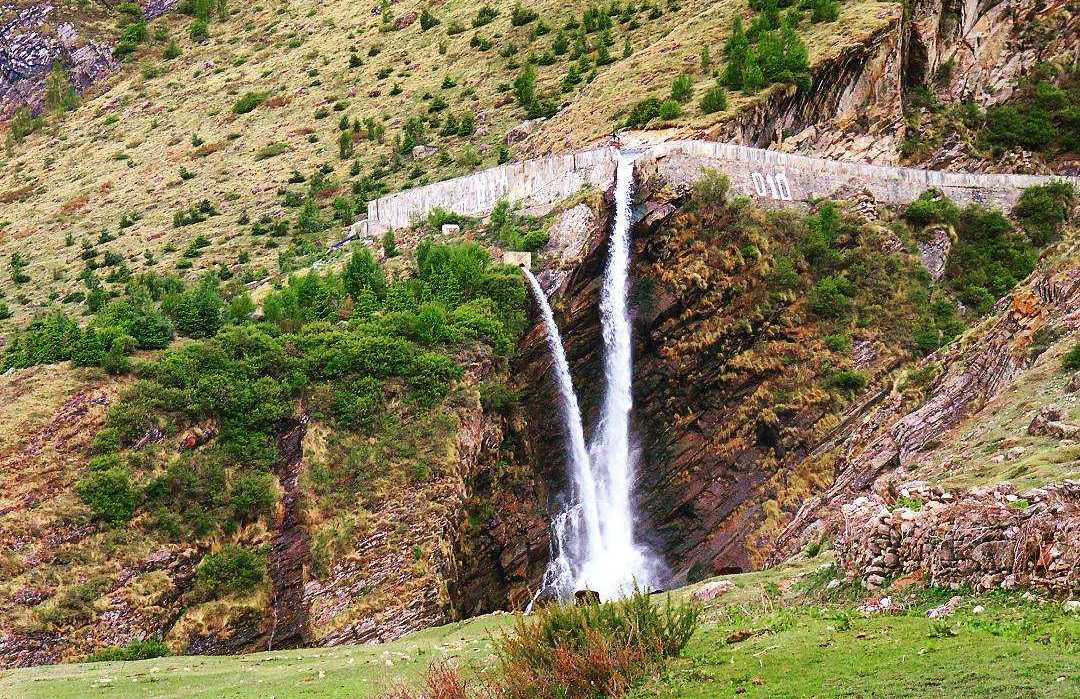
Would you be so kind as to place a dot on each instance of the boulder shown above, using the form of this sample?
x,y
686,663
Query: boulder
x,y
712,590
522,131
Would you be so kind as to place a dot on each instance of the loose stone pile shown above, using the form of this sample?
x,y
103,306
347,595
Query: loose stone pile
x,y
985,539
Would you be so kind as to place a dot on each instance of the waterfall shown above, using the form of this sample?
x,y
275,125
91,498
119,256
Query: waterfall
x,y
619,564
592,541
576,530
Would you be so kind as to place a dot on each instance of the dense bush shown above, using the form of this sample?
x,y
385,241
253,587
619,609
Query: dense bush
x,y
233,570
249,102
831,297
714,100
572,650
932,207
1043,209
988,259
133,650
109,494
1071,362
198,311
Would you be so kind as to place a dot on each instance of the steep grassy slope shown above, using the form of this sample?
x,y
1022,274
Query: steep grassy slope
x,y
238,119
775,635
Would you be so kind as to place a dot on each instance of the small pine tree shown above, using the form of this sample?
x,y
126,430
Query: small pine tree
x,y
60,96
753,79
682,90
714,100
345,145
171,51
389,244
706,59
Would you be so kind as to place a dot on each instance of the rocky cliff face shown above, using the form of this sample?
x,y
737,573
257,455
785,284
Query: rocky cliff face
x,y
746,452
466,536
957,52
32,39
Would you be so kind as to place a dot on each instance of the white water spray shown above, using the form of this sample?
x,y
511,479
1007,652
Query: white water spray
x,y
620,564
593,543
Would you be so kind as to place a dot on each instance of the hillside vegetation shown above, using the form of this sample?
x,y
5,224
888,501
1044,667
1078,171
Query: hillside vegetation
x,y
240,138
777,634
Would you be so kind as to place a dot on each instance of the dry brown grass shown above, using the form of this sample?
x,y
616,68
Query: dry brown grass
x,y
121,150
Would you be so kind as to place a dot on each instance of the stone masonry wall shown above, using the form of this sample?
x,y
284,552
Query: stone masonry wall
x,y
985,539
757,173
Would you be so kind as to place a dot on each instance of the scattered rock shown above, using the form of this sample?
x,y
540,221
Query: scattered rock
x,y
1050,422
451,229
520,132
947,609
423,152
587,598
712,590
934,251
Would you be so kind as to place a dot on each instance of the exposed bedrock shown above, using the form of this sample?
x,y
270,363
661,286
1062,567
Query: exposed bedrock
x,y
874,449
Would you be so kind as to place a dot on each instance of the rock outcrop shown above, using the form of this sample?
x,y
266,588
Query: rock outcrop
x,y
31,42
875,448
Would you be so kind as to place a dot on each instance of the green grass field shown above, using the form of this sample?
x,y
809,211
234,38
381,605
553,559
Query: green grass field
x,y
792,646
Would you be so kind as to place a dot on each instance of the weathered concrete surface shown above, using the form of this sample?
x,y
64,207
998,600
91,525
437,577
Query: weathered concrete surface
x,y
757,173
534,183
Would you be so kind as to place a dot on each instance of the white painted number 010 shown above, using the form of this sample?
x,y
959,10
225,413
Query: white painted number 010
x,y
775,186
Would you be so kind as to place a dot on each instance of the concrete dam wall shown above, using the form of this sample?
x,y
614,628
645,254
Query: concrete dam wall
x,y
760,174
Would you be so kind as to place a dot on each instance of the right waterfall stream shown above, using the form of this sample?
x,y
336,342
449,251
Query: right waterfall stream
x,y
594,546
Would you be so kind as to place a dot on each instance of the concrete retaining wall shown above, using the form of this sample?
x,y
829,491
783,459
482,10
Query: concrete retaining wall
x,y
760,174
772,175
536,183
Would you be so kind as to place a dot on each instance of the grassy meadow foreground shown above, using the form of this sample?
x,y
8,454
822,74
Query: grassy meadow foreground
x,y
779,633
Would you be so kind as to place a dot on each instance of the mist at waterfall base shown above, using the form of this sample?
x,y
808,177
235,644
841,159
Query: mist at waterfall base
x,y
593,540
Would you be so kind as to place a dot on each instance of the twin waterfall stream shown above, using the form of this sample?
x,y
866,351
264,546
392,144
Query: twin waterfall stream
x,y
593,546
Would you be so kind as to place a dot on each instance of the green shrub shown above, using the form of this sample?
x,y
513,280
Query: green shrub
x,y
363,273
670,109
522,15
824,11
485,15
570,650
714,100
840,342
643,112
1008,126
198,311
1071,361
849,381
428,20
132,650
109,494
249,102
931,207
252,496
682,90
233,570
831,297
431,378
1043,209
